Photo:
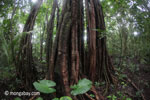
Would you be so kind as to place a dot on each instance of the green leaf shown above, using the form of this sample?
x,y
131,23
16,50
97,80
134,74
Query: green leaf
x,y
39,98
15,40
82,87
74,86
128,99
48,83
139,92
92,95
99,30
55,99
114,97
65,98
109,97
44,86
17,98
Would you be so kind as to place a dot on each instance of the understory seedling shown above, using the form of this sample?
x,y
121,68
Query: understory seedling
x,y
81,87
118,96
123,84
112,97
47,86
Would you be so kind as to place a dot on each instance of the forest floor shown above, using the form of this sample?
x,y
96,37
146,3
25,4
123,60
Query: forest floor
x,y
133,75
134,78
141,79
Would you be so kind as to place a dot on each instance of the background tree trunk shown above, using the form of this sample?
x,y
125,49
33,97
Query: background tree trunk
x,y
25,66
50,27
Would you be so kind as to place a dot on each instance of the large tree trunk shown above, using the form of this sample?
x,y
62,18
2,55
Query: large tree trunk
x,y
99,61
67,60
25,66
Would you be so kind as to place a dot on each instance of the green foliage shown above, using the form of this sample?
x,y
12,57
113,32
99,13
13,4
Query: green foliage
x,y
102,33
138,93
92,95
133,67
142,61
119,96
44,86
122,76
124,85
39,98
7,72
113,97
65,98
82,87
97,84
48,83
17,98
128,99
55,99
6,48
5,7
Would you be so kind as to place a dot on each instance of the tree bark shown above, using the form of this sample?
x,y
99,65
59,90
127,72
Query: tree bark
x,y
25,66
92,40
50,27
68,59
98,60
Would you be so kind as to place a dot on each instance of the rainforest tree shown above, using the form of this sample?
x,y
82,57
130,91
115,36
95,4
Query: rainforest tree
x,y
25,65
70,59
69,40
